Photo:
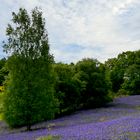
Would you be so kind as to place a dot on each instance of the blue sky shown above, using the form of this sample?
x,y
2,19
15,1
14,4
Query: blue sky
x,y
77,29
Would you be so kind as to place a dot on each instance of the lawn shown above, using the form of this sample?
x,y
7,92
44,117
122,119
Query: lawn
x,y
120,120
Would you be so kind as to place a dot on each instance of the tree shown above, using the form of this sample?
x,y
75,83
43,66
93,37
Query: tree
x,y
132,80
29,95
122,72
3,71
92,73
68,88
118,66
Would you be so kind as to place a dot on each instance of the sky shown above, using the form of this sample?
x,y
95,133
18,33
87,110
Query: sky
x,y
77,29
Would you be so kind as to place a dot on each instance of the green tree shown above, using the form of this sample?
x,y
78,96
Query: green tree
x,y
118,66
29,95
3,71
68,88
132,80
92,73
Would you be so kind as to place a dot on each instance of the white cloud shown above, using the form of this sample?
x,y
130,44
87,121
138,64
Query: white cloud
x,y
97,26
120,7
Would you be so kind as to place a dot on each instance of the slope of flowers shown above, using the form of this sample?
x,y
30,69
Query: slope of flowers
x,y
119,121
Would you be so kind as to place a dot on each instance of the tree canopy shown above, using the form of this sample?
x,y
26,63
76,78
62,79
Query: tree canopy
x,y
124,72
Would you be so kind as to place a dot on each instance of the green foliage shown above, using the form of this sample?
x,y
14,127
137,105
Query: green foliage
x,y
132,80
29,94
124,73
3,71
2,63
82,85
0,116
68,87
1,102
122,92
92,73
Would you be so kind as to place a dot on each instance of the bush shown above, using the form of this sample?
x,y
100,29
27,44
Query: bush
x,y
122,92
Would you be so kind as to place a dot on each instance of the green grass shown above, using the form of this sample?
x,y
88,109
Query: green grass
x,y
49,137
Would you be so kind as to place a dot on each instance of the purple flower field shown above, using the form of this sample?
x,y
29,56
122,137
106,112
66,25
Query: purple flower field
x,y
118,121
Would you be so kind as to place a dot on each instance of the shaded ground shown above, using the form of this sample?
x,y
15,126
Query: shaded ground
x,y
119,121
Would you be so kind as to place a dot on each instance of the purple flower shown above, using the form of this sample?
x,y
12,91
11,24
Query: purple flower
x,y
121,121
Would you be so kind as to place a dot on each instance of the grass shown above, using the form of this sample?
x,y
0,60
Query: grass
x,y
49,137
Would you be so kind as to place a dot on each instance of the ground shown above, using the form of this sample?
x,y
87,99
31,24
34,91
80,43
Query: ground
x,y
119,120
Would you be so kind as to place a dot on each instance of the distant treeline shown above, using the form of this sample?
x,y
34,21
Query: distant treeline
x,y
37,89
